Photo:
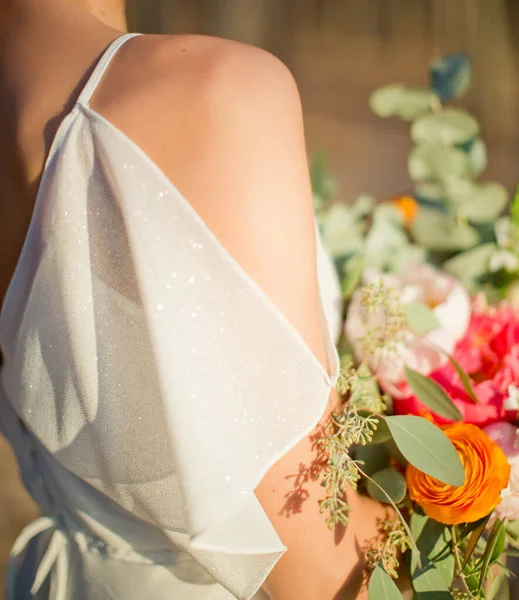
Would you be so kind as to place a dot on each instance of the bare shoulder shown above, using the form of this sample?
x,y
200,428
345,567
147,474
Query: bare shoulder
x,y
223,120
198,71
192,101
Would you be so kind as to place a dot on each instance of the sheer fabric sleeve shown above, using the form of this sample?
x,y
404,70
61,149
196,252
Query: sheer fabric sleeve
x,y
164,333
239,384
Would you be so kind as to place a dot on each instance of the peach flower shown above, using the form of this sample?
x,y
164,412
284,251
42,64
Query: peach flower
x,y
486,474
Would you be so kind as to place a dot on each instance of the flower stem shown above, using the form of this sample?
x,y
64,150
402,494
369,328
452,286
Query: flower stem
x,y
458,562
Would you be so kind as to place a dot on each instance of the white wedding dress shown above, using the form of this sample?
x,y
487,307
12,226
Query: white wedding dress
x,y
148,384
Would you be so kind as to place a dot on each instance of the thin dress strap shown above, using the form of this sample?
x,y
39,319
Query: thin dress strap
x,y
100,68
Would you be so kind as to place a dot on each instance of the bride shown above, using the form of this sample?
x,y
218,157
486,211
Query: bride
x,y
166,356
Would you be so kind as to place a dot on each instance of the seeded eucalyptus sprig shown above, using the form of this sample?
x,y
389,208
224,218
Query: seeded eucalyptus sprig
x,y
345,429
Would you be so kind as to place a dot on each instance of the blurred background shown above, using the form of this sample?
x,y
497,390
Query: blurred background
x,y
339,51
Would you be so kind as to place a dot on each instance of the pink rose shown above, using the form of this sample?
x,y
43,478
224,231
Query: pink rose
x,y
489,353
507,437
419,284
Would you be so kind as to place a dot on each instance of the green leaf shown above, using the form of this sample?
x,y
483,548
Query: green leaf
x,y
500,589
397,100
426,447
514,207
499,545
433,540
435,161
450,127
471,267
484,202
477,157
341,232
479,527
382,587
493,550
414,549
512,530
392,482
429,192
353,273
438,231
374,457
421,318
450,76
427,580
382,433
395,453
432,395
464,378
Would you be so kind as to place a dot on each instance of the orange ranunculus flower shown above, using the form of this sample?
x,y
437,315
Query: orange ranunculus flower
x,y
408,207
486,473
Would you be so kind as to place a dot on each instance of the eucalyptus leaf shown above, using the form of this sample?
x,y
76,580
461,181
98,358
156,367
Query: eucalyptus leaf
x,y
451,126
382,433
471,267
363,206
464,378
478,157
433,540
485,202
427,580
397,100
512,530
352,269
382,587
417,523
341,231
436,161
429,193
450,76
392,482
414,550
500,589
514,207
432,395
394,452
426,447
439,232
374,457
421,318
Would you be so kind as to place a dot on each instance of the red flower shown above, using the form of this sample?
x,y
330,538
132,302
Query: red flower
x,y
489,353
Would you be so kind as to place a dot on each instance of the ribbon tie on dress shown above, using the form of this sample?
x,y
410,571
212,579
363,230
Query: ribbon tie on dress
x,y
55,556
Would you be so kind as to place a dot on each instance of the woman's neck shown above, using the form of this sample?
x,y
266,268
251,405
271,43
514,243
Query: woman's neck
x,y
110,12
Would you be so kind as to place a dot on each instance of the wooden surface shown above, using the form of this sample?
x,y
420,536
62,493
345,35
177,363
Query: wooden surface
x,y
339,50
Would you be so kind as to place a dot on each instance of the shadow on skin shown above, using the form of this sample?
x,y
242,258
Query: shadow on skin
x,y
295,498
356,581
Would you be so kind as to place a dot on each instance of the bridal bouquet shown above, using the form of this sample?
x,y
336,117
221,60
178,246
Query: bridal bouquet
x,y
430,356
